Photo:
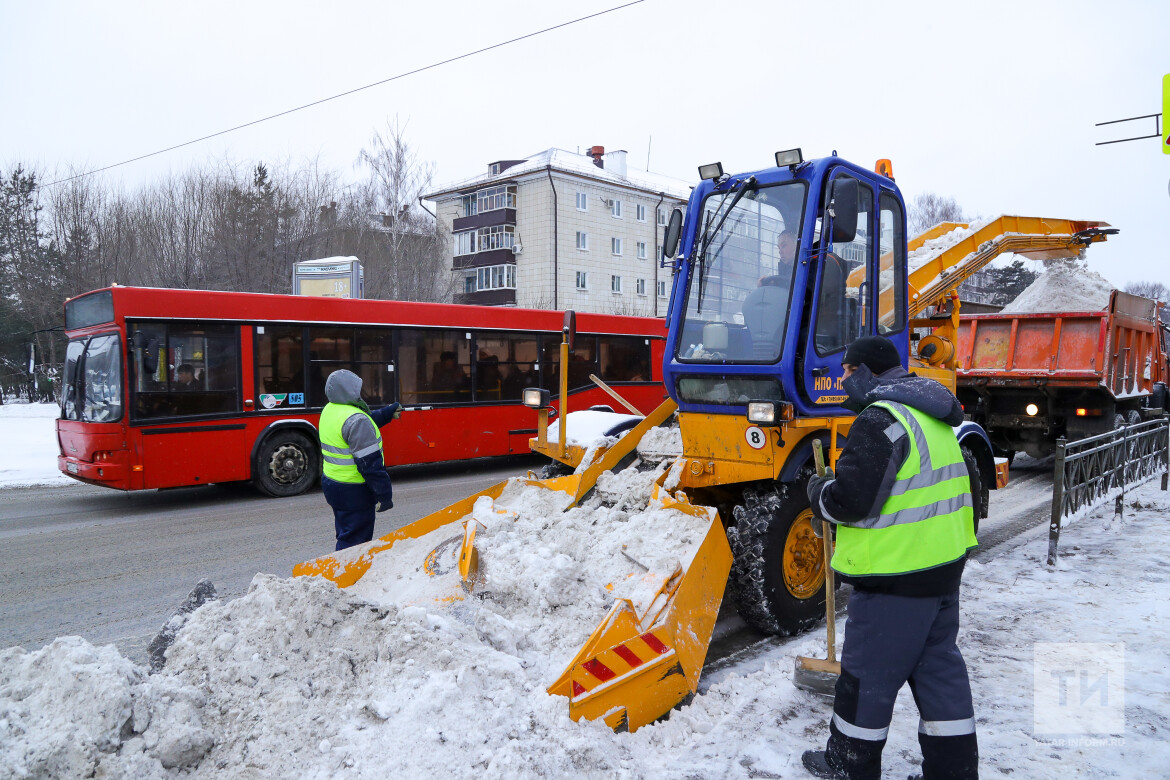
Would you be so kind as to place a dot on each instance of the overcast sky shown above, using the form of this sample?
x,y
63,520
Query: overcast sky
x,y
992,103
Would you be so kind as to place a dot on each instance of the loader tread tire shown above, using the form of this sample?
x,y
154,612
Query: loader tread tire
x,y
757,585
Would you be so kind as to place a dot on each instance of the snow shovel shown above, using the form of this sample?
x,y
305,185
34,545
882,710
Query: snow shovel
x,y
819,675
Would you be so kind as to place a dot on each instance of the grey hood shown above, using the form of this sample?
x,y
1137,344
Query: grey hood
x,y
900,386
344,387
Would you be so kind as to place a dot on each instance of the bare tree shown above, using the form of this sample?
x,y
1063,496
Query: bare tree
x,y
400,242
929,209
1149,289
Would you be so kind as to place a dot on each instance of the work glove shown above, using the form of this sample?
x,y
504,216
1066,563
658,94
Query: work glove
x,y
815,486
384,505
397,413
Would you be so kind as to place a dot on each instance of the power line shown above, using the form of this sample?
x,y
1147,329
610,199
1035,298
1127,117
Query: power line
x,y
344,94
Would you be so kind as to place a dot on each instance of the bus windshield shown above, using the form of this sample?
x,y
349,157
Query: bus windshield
x,y
738,298
93,380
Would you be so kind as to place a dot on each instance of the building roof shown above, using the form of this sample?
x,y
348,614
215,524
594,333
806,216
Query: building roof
x,y
563,161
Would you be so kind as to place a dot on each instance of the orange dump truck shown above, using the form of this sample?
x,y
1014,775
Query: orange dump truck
x,y
1030,379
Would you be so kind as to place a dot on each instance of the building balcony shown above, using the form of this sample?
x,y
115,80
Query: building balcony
x,y
488,298
476,259
486,219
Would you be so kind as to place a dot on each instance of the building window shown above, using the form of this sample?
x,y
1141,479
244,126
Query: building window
x,y
582,201
582,240
582,280
496,277
497,237
464,243
615,245
641,250
494,169
661,216
641,209
641,287
615,208
615,283
469,284
662,289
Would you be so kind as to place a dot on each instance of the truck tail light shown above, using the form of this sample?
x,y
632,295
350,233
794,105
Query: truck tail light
x,y
1082,412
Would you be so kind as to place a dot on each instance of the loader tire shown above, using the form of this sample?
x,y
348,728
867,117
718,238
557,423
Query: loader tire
x,y
287,464
777,578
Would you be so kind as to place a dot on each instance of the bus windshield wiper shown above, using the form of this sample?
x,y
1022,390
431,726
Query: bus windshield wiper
x,y
709,236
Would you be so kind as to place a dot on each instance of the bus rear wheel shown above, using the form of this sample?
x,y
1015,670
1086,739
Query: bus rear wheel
x,y
777,575
286,465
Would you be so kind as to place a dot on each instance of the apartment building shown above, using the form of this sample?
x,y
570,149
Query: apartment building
x,y
561,230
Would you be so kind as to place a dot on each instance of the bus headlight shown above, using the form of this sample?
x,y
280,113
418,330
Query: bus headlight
x,y
1032,410
769,412
535,397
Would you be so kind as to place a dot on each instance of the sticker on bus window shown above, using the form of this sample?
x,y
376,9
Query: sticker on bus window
x,y
269,401
296,399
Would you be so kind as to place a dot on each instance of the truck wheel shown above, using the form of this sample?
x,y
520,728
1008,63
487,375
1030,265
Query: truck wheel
x,y
777,575
979,494
1133,417
287,464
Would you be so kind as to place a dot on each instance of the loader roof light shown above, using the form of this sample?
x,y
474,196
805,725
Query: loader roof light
x,y
711,171
885,168
1032,410
769,412
789,157
536,397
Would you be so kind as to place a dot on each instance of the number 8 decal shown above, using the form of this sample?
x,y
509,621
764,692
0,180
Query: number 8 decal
x,y
756,438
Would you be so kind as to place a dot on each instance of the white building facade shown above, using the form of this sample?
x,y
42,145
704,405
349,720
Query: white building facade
x,y
561,230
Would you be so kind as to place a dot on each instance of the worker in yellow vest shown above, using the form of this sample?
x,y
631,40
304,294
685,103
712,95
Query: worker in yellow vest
x,y
901,505
354,477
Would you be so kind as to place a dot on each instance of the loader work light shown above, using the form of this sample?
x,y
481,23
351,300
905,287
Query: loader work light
x,y
769,412
789,157
712,171
535,397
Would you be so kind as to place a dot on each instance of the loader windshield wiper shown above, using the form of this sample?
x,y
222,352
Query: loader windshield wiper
x,y
709,235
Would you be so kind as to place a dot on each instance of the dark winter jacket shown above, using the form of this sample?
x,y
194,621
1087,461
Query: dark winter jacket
x,y
868,467
345,387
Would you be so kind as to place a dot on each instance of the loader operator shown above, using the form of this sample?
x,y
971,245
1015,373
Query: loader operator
x,y
354,477
901,502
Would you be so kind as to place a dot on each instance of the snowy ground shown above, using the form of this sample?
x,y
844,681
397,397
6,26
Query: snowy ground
x,y
299,678
28,455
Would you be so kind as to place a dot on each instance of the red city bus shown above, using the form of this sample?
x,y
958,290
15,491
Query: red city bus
x,y
167,388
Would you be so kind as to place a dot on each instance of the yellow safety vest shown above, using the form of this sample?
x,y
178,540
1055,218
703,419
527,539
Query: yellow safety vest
x,y
928,520
336,455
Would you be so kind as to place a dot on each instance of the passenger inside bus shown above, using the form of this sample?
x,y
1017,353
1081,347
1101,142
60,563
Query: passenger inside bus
x,y
185,378
448,376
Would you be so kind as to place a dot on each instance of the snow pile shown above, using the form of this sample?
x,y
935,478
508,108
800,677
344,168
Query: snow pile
x,y
1065,285
300,679
34,462
936,246
586,427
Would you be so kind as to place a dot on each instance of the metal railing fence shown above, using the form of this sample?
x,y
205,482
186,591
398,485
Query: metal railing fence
x,y
1090,471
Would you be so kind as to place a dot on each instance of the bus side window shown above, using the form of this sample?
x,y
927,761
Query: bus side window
x,y
280,363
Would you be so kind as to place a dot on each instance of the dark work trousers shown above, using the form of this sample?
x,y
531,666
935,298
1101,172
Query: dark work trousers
x,y
891,640
353,506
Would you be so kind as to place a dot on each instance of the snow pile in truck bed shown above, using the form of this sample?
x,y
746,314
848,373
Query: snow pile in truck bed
x,y
936,246
1065,285
300,679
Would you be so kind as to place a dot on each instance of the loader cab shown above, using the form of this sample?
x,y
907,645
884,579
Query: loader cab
x,y
777,272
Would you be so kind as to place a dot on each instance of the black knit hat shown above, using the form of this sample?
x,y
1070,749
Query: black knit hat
x,y
873,351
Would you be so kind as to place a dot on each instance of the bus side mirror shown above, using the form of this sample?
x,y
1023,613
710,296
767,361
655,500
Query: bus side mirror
x,y
673,233
150,356
843,209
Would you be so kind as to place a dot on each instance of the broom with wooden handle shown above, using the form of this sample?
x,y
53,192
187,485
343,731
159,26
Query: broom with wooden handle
x,y
819,675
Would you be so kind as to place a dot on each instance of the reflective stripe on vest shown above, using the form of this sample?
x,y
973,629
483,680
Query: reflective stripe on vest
x,y
336,456
928,519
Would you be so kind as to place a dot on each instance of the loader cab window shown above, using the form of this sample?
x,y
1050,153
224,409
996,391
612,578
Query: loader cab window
x,y
844,310
891,304
740,288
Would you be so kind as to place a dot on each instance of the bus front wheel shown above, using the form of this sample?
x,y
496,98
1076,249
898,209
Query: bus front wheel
x,y
286,464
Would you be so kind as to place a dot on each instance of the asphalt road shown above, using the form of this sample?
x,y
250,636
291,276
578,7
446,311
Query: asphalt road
x,y
113,567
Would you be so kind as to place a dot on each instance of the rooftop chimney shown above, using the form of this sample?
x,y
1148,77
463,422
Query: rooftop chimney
x,y
595,152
